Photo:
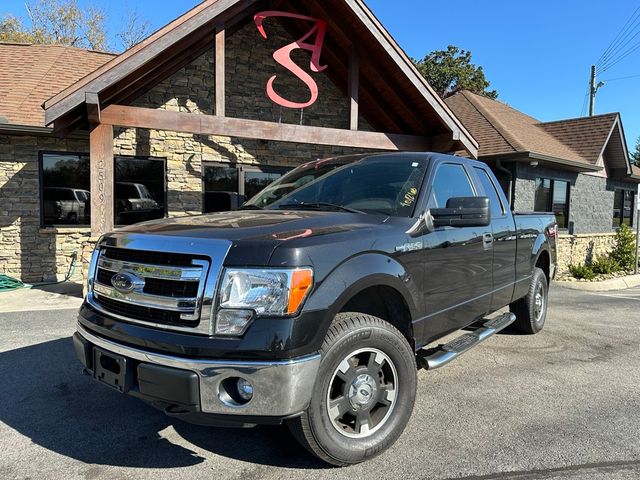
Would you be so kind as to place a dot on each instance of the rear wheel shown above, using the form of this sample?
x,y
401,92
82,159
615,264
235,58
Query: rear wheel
x,y
531,311
364,393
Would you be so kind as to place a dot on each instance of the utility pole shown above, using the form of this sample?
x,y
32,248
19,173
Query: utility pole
x,y
593,90
637,205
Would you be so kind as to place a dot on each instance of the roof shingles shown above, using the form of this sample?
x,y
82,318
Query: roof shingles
x,y
501,129
30,74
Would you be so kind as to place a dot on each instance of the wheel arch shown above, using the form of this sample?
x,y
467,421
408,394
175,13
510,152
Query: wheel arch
x,y
373,284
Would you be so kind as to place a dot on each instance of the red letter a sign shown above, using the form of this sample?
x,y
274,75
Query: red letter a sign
x,y
283,56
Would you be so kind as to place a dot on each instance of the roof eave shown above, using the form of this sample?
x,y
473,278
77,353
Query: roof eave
x,y
562,163
34,130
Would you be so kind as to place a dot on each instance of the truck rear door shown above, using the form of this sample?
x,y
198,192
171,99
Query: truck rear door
x,y
503,229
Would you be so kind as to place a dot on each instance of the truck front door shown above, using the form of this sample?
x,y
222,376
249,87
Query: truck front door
x,y
458,261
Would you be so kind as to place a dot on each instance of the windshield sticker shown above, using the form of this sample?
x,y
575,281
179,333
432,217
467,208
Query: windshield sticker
x,y
410,197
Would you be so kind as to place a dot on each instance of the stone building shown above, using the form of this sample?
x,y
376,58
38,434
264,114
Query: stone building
x,y
233,94
579,169
196,118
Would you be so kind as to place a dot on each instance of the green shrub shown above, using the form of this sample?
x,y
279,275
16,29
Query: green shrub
x,y
582,272
605,266
624,252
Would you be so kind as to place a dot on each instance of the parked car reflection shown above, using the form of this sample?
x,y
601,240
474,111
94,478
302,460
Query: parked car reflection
x,y
135,203
66,205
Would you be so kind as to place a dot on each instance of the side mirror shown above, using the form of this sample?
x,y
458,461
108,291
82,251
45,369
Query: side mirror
x,y
463,212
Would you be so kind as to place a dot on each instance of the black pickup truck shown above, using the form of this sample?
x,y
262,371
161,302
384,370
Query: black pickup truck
x,y
318,301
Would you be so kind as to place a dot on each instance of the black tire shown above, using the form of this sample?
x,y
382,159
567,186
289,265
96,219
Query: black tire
x,y
366,363
531,311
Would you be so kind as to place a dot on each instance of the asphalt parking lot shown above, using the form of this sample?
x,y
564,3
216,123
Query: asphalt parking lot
x,y
561,405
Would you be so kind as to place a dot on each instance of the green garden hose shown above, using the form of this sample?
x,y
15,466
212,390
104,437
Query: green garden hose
x,y
8,284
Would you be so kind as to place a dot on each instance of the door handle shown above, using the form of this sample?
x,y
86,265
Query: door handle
x,y
487,240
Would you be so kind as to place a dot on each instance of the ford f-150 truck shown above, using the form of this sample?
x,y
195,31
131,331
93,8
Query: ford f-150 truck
x,y
317,302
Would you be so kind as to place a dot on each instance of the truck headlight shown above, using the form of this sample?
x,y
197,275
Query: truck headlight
x,y
248,293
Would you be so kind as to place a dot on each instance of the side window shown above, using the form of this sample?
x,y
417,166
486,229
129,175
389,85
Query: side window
x,y
497,209
451,181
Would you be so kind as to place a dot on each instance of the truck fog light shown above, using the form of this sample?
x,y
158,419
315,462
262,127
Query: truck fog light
x,y
245,389
233,322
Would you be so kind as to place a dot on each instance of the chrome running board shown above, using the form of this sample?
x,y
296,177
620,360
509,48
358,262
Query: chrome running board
x,y
433,358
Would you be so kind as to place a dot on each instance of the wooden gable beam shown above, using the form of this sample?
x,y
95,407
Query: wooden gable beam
x,y
135,117
101,173
220,71
354,88
93,108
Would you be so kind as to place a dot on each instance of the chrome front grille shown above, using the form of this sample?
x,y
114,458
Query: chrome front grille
x,y
168,290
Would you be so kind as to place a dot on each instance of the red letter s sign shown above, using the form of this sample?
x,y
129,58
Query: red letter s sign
x,y
283,56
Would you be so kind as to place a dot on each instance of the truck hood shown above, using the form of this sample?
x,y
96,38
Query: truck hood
x,y
255,235
258,225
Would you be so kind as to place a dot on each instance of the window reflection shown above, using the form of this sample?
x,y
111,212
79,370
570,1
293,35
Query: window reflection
x,y
624,208
66,198
227,187
221,191
139,190
553,196
65,190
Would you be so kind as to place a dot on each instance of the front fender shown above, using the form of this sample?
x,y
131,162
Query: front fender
x,y
352,277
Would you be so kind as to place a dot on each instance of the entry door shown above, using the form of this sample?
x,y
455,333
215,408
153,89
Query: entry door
x,y
458,261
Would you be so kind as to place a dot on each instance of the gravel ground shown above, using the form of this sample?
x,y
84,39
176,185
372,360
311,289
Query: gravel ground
x,y
561,405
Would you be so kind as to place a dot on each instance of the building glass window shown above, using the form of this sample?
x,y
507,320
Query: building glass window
x,y
221,188
139,190
256,181
624,208
227,187
553,196
66,200
65,189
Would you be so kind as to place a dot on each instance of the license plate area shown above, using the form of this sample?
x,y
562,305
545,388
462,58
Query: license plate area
x,y
112,370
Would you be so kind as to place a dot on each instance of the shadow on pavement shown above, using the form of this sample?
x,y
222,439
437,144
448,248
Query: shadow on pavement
x,y
45,397
69,289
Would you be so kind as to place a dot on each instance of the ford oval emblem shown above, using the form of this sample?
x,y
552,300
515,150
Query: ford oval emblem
x,y
127,282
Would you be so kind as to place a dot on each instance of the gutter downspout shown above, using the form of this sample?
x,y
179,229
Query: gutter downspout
x,y
509,173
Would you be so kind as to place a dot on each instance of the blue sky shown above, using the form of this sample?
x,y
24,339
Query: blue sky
x,y
537,54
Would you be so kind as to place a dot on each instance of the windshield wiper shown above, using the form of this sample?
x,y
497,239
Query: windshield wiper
x,y
250,207
318,206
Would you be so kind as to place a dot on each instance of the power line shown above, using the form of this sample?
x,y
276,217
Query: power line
x,y
585,102
617,55
628,52
620,37
621,78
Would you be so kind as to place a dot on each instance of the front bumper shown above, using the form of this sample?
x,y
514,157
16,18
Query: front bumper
x,y
281,389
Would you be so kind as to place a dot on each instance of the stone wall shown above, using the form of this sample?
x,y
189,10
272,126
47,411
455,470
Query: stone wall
x,y
580,249
34,254
27,251
591,197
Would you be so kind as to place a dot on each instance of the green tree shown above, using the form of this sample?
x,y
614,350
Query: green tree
x,y
449,71
624,251
635,155
64,22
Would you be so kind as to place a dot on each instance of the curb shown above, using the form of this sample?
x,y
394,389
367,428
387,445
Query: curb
x,y
620,283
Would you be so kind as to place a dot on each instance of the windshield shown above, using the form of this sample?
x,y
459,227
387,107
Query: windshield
x,y
378,184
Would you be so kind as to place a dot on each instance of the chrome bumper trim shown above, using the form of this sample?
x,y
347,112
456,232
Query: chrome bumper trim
x,y
281,388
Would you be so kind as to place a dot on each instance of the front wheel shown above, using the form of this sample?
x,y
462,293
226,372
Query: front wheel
x,y
364,393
